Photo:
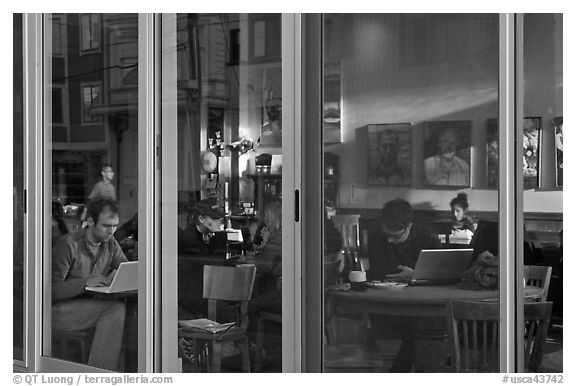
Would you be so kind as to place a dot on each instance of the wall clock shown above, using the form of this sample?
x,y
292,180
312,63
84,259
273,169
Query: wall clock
x,y
209,161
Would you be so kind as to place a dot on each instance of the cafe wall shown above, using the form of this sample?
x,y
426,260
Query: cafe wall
x,y
451,76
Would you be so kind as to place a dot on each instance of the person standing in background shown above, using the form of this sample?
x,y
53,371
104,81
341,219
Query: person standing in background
x,y
104,187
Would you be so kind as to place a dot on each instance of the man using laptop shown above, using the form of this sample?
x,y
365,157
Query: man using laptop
x,y
393,249
83,259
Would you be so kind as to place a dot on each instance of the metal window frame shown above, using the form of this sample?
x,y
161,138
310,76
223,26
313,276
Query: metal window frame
x,y
292,262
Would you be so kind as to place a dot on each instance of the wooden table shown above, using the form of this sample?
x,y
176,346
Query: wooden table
x,y
425,306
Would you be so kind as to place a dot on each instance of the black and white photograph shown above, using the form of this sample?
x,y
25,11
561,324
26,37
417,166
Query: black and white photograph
x,y
272,193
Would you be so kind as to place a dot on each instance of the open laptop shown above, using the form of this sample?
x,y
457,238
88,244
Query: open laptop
x,y
125,279
441,266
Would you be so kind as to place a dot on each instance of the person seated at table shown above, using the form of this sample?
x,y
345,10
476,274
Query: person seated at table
x,y
394,246
461,221
196,239
207,218
85,258
393,250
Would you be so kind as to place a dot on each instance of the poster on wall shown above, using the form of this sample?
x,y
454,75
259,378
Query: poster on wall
x,y
492,152
389,154
271,127
531,151
447,153
332,103
559,143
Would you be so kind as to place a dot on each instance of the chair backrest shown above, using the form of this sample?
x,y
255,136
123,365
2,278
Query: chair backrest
x,y
229,284
349,227
538,276
537,320
473,334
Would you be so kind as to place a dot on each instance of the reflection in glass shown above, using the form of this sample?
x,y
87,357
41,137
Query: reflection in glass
x,y
229,184
428,84
94,185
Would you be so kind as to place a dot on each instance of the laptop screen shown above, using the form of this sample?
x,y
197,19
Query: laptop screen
x,y
441,265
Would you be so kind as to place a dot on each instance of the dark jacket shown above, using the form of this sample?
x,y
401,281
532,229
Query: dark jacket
x,y
385,257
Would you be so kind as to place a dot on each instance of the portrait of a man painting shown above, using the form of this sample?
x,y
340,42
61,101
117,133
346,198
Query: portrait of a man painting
x,y
389,154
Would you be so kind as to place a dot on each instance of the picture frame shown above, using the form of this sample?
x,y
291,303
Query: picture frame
x,y
531,151
271,111
389,154
559,145
492,149
332,103
447,149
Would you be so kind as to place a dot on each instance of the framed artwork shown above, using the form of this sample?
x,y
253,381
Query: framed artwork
x,y
559,144
531,151
492,152
271,127
389,154
332,103
447,153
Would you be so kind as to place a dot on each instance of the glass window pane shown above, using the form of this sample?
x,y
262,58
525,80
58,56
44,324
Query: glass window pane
x,y
409,104
18,194
94,195
543,169
229,122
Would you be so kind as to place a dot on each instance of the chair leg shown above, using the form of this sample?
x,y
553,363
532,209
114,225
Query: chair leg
x,y
217,348
259,346
244,346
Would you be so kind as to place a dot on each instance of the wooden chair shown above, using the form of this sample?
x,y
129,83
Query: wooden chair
x,y
538,276
473,335
231,284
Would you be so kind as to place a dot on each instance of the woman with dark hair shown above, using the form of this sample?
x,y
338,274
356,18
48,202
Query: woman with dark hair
x,y
461,220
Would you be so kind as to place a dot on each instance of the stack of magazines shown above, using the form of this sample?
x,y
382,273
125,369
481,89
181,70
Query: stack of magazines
x,y
204,325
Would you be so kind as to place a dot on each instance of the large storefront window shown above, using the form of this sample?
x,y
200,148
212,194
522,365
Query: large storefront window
x,y
228,118
92,162
403,197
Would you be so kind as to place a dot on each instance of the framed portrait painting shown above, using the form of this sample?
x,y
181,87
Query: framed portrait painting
x,y
559,144
389,154
447,153
531,151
